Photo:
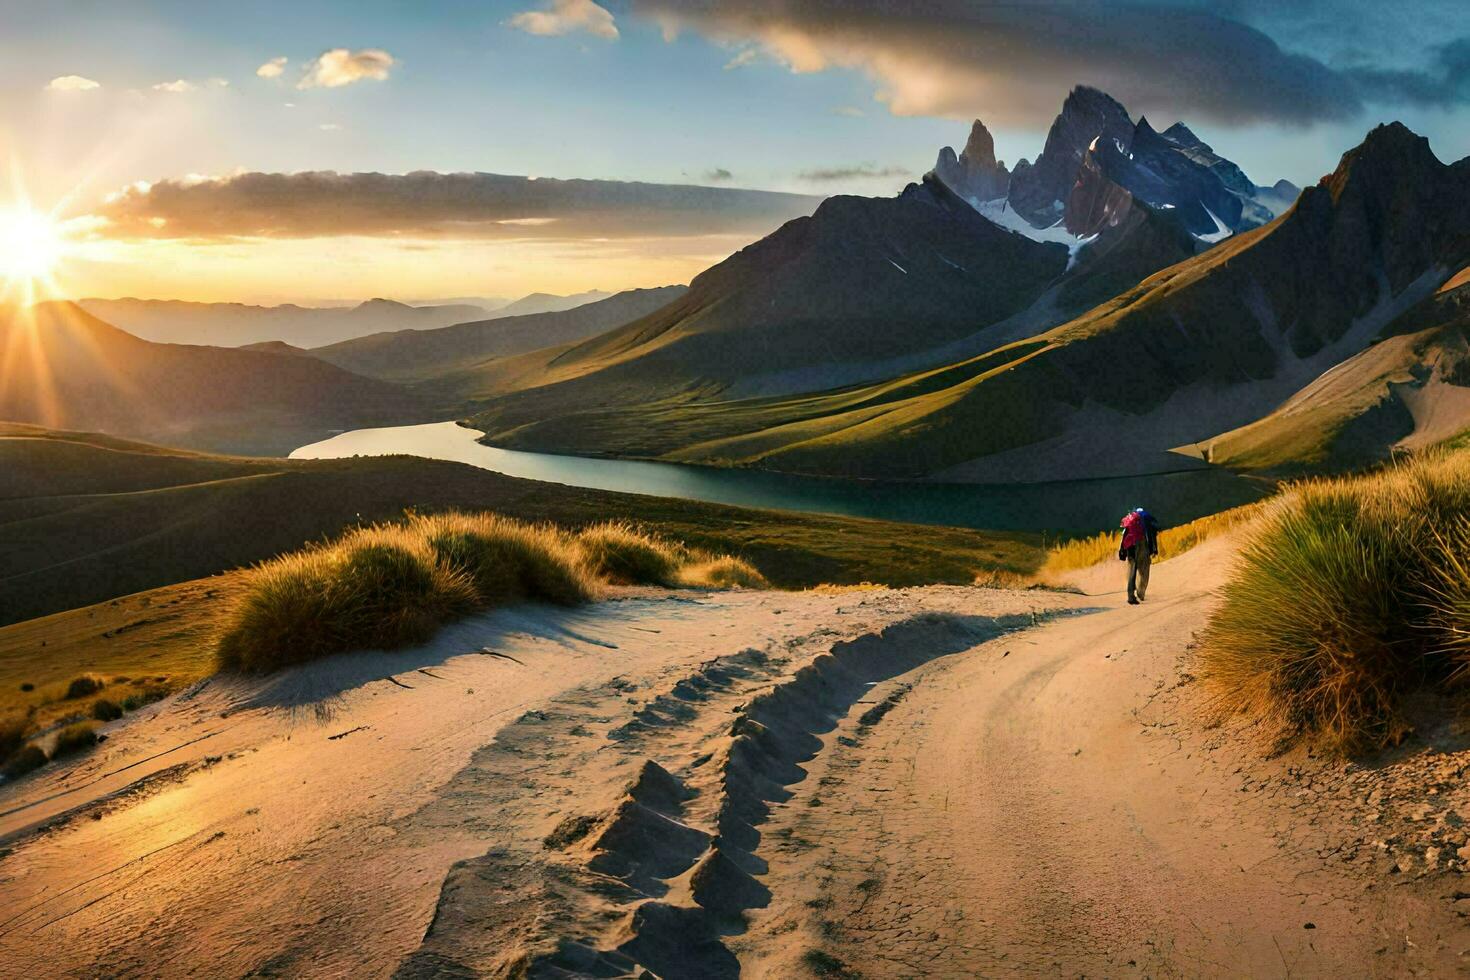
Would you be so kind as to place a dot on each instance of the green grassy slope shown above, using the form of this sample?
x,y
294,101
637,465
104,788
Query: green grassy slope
x,y
1412,388
862,279
150,517
1232,333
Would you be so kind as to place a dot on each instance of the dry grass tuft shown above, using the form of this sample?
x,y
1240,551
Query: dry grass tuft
x,y
723,572
28,758
84,686
377,587
1450,596
12,734
508,560
393,585
74,738
1002,579
1350,595
625,555
105,709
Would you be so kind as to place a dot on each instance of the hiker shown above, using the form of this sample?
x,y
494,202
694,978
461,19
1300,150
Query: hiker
x,y
1139,548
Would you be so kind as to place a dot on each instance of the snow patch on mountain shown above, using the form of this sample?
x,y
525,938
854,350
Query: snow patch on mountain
x,y
1221,232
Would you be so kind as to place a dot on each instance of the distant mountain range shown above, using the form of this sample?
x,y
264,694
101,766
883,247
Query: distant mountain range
x,y
1096,160
1125,305
547,303
903,338
238,324
419,355
64,368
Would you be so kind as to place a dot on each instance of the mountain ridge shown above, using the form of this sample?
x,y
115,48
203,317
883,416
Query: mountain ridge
x,y
1183,353
65,368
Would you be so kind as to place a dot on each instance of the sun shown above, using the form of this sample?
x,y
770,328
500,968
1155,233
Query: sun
x,y
31,244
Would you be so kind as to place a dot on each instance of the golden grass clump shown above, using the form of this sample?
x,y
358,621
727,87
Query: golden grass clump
x,y
625,555
12,734
84,686
74,738
28,758
1345,600
508,560
393,585
376,588
722,572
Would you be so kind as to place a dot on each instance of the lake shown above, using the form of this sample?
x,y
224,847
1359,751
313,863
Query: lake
x,y
1070,506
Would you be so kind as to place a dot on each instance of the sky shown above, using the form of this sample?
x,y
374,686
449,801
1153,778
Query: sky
x,y
216,151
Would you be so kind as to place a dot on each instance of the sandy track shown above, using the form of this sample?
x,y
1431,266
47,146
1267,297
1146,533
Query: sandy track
x,y
931,782
1058,803
306,826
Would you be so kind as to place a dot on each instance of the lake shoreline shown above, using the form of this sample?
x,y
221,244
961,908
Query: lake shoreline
x,y
1080,506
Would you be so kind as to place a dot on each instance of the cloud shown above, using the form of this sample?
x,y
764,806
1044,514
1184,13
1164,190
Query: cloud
x,y
745,57
181,85
330,127
1012,64
1443,82
567,17
273,68
339,67
71,83
433,205
854,172
718,173
850,111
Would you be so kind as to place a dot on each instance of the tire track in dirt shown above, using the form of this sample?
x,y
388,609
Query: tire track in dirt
x,y
668,870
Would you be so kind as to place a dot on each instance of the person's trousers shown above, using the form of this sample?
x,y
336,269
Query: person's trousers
x,y
1138,565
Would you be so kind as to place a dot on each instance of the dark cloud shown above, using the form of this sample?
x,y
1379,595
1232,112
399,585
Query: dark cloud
x,y
1443,82
1013,63
827,174
435,205
718,173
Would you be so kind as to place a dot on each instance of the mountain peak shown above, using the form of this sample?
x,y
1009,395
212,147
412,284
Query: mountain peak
x,y
980,147
1086,99
975,174
1182,135
1039,193
1390,153
1397,140
380,304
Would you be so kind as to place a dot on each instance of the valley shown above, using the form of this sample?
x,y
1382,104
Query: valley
x,y
690,537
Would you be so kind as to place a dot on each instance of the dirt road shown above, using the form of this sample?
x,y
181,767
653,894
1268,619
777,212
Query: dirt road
x,y
930,782
1058,802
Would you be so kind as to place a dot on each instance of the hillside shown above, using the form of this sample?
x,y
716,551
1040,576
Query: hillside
x,y
866,289
1208,344
65,368
548,303
88,518
1409,390
419,354
239,324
